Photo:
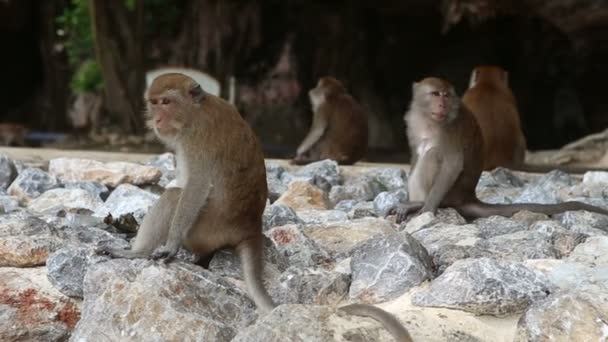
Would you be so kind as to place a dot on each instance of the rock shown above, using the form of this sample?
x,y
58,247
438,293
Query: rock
x,y
584,222
385,267
519,246
340,238
8,204
390,178
499,177
385,201
276,215
592,252
573,276
327,170
31,309
563,241
435,238
485,287
545,190
31,183
67,266
595,178
498,225
225,262
276,187
300,250
563,317
310,286
426,220
111,174
147,301
346,205
25,241
311,323
361,191
92,237
322,216
361,210
303,196
126,199
96,188
166,164
55,200
8,172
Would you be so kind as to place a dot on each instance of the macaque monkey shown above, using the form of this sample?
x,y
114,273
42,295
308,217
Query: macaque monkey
x,y
222,187
390,322
339,126
12,134
447,158
493,104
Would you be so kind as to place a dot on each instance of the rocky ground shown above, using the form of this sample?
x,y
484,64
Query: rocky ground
x,y
525,278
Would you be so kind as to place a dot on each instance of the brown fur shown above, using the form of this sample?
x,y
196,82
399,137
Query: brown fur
x,y
339,128
222,178
447,145
12,134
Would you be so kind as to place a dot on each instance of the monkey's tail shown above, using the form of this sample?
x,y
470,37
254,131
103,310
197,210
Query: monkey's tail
x,y
481,209
250,252
390,322
538,168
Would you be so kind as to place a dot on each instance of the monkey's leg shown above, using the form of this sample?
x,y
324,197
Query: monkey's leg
x,y
402,210
250,252
153,230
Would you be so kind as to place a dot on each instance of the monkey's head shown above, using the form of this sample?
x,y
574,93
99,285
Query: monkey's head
x,y
489,74
326,88
436,98
170,100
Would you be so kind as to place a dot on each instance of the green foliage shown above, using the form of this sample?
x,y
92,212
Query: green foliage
x,y
75,27
87,77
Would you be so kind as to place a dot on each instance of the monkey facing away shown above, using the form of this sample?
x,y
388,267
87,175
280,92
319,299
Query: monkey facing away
x,y
447,158
493,104
339,126
222,187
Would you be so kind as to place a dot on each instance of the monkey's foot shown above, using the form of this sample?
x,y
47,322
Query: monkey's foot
x,y
166,254
118,253
402,211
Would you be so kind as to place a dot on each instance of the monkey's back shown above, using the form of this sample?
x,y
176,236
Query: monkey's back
x,y
347,133
495,110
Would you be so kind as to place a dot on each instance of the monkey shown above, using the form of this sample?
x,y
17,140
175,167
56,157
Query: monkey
x,y
339,126
12,134
494,106
221,186
390,322
447,148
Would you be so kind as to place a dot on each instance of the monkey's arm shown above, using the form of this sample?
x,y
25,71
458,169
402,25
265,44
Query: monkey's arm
x,y
450,167
193,197
317,129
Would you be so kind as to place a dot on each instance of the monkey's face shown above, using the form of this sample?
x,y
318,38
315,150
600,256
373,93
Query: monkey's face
x,y
437,99
165,115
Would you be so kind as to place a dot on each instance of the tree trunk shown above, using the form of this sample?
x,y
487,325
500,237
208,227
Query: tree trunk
x,y
119,43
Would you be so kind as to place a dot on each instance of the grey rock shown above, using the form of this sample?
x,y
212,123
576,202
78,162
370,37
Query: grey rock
x,y
435,238
499,177
346,205
166,164
546,189
485,287
92,237
427,220
362,191
498,225
592,252
327,169
563,317
276,186
93,187
300,250
362,209
310,286
8,204
385,267
276,215
125,199
147,301
385,201
23,223
389,178
8,172
31,183
55,200
313,216
584,222
67,266
226,263
519,246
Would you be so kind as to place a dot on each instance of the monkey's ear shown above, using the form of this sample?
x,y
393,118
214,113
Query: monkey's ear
x,y
197,92
474,76
414,86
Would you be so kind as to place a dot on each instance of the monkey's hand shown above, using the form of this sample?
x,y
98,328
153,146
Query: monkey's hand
x,y
402,211
166,253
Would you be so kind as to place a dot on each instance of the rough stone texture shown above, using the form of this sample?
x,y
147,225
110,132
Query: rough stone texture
x,y
485,287
385,201
361,210
564,317
110,174
141,300
322,216
519,246
8,172
31,309
310,323
92,237
436,237
592,251
276,215
126,199
310,286
341,238
346,205
427,220
166,164
498,225
303,196
276,187
385,267
93,187
327,170
67,266
55,200
30,183
595,178
546,188
584,222
361,191
389,178
8,204
300,250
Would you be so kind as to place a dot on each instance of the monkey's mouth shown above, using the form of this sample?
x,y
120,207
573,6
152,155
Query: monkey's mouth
x,y
439,116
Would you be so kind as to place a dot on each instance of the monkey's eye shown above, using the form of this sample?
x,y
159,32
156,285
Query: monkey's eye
x,y
153,101
435,93
166,101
